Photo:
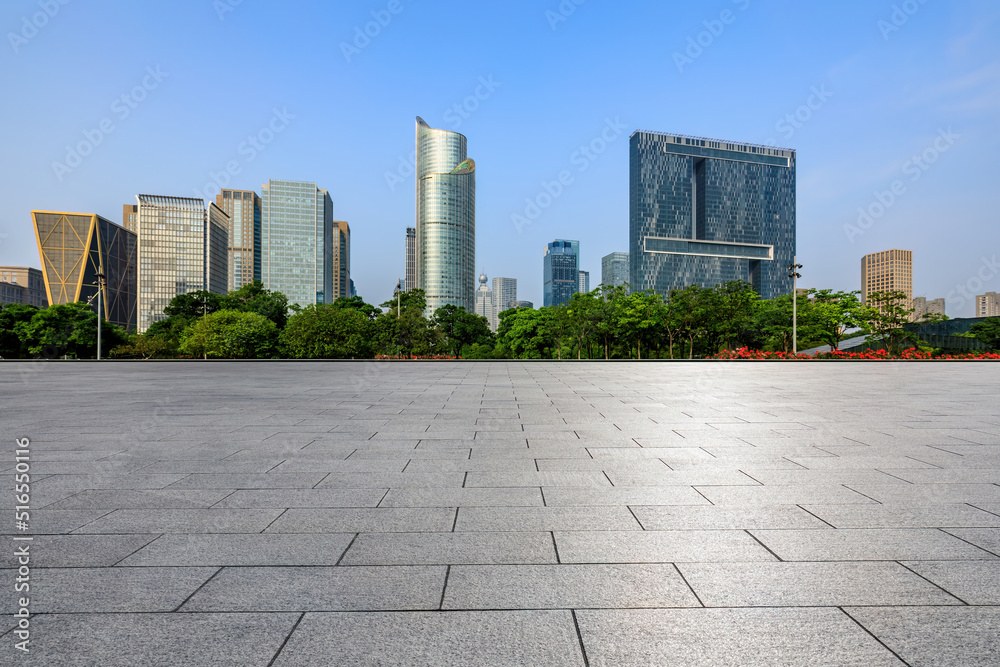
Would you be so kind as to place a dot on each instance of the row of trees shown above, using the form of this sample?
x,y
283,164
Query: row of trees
x,y
607,323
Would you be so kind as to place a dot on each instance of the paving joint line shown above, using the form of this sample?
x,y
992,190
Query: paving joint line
x,y
873,636
281,648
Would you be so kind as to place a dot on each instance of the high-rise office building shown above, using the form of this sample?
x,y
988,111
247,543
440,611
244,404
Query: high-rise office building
x,y
182,248
342,283
23,284
703,212
410,271
988,305
446,218
243,209
74,248
484,302
504,293
522,304
922,306
584,284
560,271
888,271
296,230
614,269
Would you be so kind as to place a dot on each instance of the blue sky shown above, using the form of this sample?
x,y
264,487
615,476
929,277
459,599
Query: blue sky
x,y
167,95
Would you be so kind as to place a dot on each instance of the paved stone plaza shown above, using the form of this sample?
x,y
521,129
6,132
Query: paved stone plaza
x,y
521,513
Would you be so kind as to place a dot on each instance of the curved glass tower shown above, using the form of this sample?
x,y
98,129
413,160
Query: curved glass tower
x,y
446,219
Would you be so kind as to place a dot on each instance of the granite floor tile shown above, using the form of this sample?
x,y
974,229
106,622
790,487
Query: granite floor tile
x,y
545,518
365,520
242,550
711,637
182,521
321,589
868,544
398,480
273,480
112,589
783,495
566,587
77,550
480,497
936,636
534,478
107,499
624,495
466,548
974,582
984,538
437,639
904,516
810,585
127,640
660,517
284,498
668,546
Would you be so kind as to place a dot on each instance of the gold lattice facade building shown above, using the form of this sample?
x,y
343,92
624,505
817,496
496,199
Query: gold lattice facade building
x,y
243,209
74,248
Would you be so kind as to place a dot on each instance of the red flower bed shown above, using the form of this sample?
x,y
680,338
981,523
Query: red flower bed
x,y
874,355
425,357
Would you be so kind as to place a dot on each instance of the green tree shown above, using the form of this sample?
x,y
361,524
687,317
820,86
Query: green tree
x,y
884,317
406,332
14,321
71,330
583,312
525,333
193,305
733,306
638,318
988,331
325,331
461,329
251,298
831,314
692,314
146,346
231,334
606,328
774,323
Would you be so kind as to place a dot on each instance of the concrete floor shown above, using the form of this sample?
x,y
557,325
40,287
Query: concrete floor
x,y
448,513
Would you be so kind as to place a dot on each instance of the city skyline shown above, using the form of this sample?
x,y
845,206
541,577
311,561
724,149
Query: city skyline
x,y
896,126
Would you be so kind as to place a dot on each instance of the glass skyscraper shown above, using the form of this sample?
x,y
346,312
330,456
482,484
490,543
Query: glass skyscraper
x,y
243,208
297,241
560,271
614,269
703,212
182,248
446,219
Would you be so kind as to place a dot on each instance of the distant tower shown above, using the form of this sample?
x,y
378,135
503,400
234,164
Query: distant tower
x,y
584,285
446,218
411,260
504,292
560,271
484,302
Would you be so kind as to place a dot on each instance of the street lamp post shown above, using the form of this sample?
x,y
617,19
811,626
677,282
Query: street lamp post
x,y
399,294
100,310
795,275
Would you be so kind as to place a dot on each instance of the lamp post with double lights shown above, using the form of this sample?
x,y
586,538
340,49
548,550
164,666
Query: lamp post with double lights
x,y
795,275
100,310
